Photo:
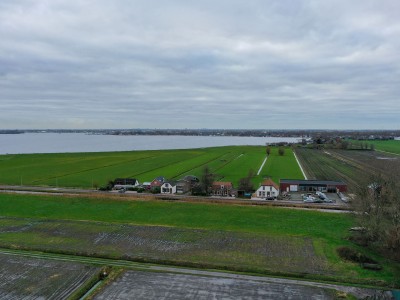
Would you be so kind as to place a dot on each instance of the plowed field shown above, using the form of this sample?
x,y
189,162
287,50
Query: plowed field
x,y
351,166
32,278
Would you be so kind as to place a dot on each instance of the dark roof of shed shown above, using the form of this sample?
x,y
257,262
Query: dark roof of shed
x,y
300,181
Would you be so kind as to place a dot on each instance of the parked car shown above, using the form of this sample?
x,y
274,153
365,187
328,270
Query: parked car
x,y
309,199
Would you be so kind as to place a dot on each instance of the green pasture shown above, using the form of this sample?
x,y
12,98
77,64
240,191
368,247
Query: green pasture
x,y
88,170
326,230
392,146
282,167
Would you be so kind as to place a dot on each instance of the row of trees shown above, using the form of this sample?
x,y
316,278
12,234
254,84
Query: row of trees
x,y
281,150
207,178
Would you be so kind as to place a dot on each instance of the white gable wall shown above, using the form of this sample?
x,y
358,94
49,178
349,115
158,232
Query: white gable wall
x,y
267,191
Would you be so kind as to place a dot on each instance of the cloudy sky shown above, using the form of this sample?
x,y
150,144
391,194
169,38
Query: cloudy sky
x,y
200,64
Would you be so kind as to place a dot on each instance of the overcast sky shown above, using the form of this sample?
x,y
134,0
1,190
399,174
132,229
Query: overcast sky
x,y
200,64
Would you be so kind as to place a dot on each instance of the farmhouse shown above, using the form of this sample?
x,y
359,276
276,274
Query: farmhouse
x,y
325,186
168,187
267,189
222,189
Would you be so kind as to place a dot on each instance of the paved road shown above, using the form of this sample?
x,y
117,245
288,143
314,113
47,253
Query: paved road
x,y
184,198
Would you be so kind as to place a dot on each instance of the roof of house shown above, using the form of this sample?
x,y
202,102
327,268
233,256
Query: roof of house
x,y
312,182
171,182
270,182
191,178
220,183
160,178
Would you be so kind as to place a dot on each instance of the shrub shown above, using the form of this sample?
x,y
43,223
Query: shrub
x,y
352,255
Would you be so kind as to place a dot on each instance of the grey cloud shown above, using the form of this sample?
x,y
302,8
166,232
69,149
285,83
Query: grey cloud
x,y
188,64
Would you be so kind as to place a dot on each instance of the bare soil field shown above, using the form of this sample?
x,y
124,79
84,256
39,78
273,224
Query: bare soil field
x,y
148,285
210,248
32,278
213,285
351,166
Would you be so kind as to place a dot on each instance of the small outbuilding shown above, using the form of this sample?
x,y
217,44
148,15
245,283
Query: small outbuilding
x,y
125,183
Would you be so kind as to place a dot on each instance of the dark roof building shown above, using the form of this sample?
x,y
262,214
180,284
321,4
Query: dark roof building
x,y
298,185
126,181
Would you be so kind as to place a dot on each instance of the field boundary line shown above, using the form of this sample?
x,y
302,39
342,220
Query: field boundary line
x,y
202,164
388,152
301,168
262,165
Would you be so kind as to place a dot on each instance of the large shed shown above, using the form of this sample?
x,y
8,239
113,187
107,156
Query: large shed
x,y
326,186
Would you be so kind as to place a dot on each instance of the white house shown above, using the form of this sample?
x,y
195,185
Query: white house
x,y
267,189
168,187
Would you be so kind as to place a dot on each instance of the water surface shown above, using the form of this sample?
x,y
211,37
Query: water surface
x,y
80,142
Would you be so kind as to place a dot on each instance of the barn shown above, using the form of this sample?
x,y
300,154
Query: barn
x,y
325,186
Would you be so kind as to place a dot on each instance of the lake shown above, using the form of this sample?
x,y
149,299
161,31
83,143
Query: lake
x,y
81,142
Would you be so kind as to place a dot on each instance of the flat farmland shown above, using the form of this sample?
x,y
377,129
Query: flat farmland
x,y
210,248
258,239
355,167
33,278
87,170
148,285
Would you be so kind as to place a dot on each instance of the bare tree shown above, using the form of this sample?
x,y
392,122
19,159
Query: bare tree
x,y
281,151
377,211
245,183
268,150
207,178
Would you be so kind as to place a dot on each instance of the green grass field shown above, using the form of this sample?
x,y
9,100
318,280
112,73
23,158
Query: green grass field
x,y
282,167
392,146
88,170
327,231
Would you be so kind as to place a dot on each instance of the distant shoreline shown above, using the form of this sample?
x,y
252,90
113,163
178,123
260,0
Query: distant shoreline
x,y
283,133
